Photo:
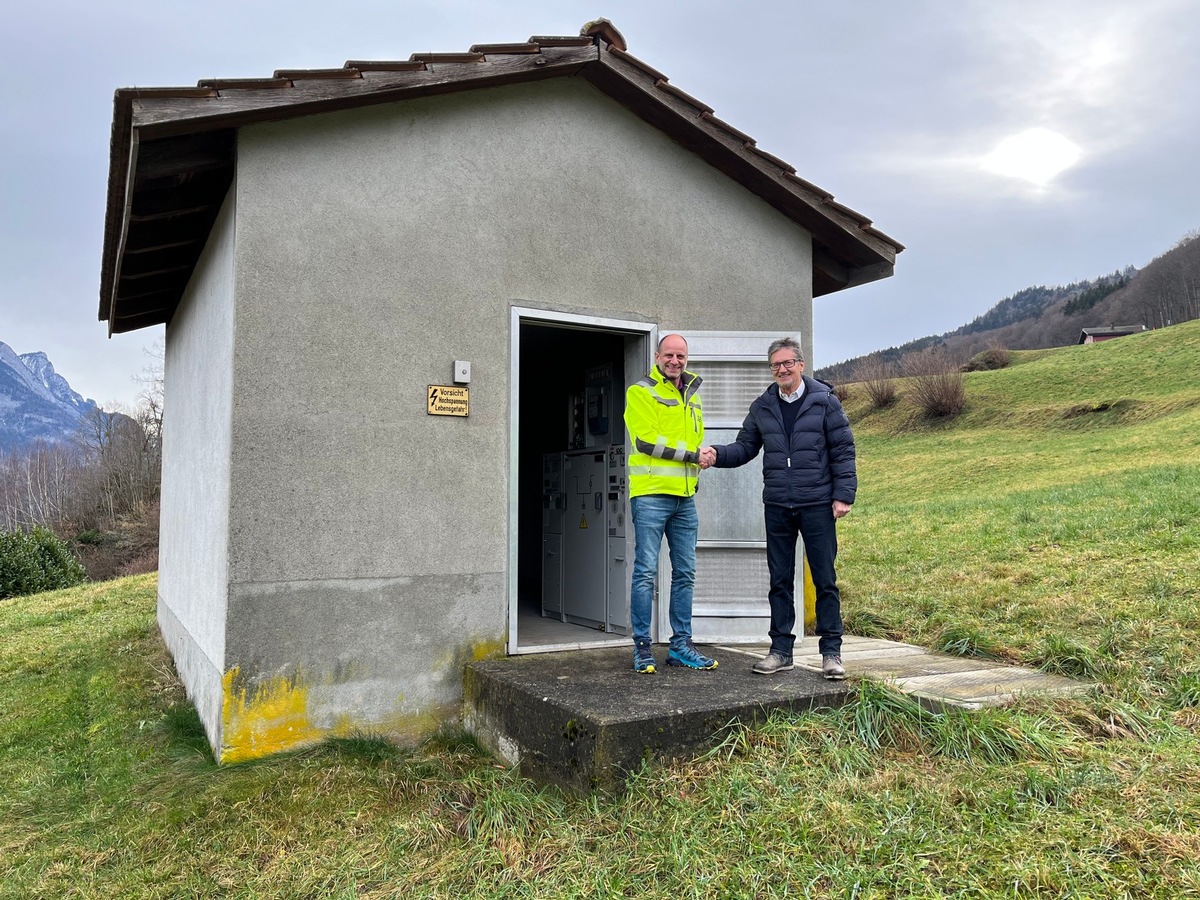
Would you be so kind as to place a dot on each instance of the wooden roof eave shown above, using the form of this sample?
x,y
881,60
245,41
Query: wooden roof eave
x,y
859,252
234,108
164,198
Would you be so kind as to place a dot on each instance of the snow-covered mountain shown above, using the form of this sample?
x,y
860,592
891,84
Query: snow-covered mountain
x,y
35,401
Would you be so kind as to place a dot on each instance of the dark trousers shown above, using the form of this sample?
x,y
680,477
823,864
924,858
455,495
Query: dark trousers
x,y
817,526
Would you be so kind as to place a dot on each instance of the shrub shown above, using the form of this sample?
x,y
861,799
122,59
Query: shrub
x,y
995,358
35,561
877,379
94,537
937,387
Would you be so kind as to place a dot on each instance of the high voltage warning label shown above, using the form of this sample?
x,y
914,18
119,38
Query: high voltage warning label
x,y
448,401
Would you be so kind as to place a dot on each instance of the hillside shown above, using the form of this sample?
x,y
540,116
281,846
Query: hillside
x,y
1053,421
1166,291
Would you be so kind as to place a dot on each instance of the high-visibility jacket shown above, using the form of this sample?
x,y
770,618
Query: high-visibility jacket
x,y
666,430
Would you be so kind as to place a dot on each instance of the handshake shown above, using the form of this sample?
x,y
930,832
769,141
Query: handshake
x,y
708,457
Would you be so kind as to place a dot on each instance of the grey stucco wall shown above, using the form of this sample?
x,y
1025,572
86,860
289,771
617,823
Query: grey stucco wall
x,y
368,540
193,574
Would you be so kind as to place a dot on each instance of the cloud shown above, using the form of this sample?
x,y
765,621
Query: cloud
x,y
1104,76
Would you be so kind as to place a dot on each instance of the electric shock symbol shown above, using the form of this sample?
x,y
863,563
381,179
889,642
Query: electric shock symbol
x,y
583,522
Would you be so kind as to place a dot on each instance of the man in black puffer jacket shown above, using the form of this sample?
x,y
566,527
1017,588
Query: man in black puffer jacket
x,y
809,482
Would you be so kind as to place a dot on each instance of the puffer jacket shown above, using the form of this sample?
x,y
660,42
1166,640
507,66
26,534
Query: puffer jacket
x,y
814,464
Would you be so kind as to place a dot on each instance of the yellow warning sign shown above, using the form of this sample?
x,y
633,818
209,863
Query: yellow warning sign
x,y
445,400
583,521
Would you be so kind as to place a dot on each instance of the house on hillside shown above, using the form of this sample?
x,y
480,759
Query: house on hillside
x,y
1096,335
402,301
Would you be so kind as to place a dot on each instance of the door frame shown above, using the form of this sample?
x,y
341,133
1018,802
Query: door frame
x,y
520,315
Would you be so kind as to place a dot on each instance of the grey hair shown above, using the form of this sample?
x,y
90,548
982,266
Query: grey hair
x,y
788,344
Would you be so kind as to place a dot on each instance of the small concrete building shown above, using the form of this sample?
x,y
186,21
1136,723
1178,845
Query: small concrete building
x,y
402,302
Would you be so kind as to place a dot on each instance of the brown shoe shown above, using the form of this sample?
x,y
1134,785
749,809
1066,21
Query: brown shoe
x,y
772,663
831,668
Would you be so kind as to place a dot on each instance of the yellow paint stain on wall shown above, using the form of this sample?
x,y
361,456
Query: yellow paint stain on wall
x,y
272,719
482,650
280,713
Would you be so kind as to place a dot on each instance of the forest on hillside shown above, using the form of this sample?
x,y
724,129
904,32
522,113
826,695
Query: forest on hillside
x,y
1165,292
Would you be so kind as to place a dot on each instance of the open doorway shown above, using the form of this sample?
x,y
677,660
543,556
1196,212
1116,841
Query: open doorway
x,y
568,577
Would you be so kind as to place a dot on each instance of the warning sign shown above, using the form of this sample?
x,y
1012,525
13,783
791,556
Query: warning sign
x,y
445,400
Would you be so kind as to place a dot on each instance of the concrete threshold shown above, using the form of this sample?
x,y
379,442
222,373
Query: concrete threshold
x,y
584,720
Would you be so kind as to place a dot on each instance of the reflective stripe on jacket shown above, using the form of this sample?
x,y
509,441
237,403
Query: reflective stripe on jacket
x,y
666,429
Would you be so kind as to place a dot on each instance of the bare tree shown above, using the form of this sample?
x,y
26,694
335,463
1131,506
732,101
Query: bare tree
x,y
37,486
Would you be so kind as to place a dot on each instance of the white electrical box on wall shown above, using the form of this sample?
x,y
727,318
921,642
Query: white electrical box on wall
x,y
462,372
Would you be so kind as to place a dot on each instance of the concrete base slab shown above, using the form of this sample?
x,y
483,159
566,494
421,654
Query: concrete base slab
x,y
585,720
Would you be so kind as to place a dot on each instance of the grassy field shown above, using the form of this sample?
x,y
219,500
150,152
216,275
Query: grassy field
x,y
1054,524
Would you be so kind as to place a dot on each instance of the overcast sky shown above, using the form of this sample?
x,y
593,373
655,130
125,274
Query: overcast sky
x,y
1006,143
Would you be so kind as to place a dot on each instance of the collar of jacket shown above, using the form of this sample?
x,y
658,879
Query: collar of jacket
x,y
770,396
691,381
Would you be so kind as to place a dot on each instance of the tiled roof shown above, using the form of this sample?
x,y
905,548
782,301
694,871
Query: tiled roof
x,y
172,155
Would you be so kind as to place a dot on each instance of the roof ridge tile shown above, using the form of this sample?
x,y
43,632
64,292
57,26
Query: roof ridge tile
x,y
448,57
504,49
727,128
636,63
384,65
316,74
787,167
664,85
821,193
863,221
245,84
549,40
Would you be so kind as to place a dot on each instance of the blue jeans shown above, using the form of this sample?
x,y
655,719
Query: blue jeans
x,y
655,515
818,527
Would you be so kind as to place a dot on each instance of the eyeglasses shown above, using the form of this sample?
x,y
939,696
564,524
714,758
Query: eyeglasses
x,y
784,364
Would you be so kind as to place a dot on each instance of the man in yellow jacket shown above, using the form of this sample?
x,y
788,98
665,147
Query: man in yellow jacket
x,y
666,429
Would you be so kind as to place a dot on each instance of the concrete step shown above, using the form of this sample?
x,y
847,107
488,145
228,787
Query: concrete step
x,y
582,719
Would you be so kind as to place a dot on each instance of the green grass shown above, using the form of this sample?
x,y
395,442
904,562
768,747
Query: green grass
x,y
1025,531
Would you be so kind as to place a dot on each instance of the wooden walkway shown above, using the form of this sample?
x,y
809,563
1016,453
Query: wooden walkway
x,y
938,677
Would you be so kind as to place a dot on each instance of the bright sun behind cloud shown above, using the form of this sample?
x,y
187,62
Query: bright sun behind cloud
x,y
1036,155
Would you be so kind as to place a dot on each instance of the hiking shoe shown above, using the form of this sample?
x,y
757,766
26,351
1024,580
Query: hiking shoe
x,y
643,659
831,667
686,654
773,662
